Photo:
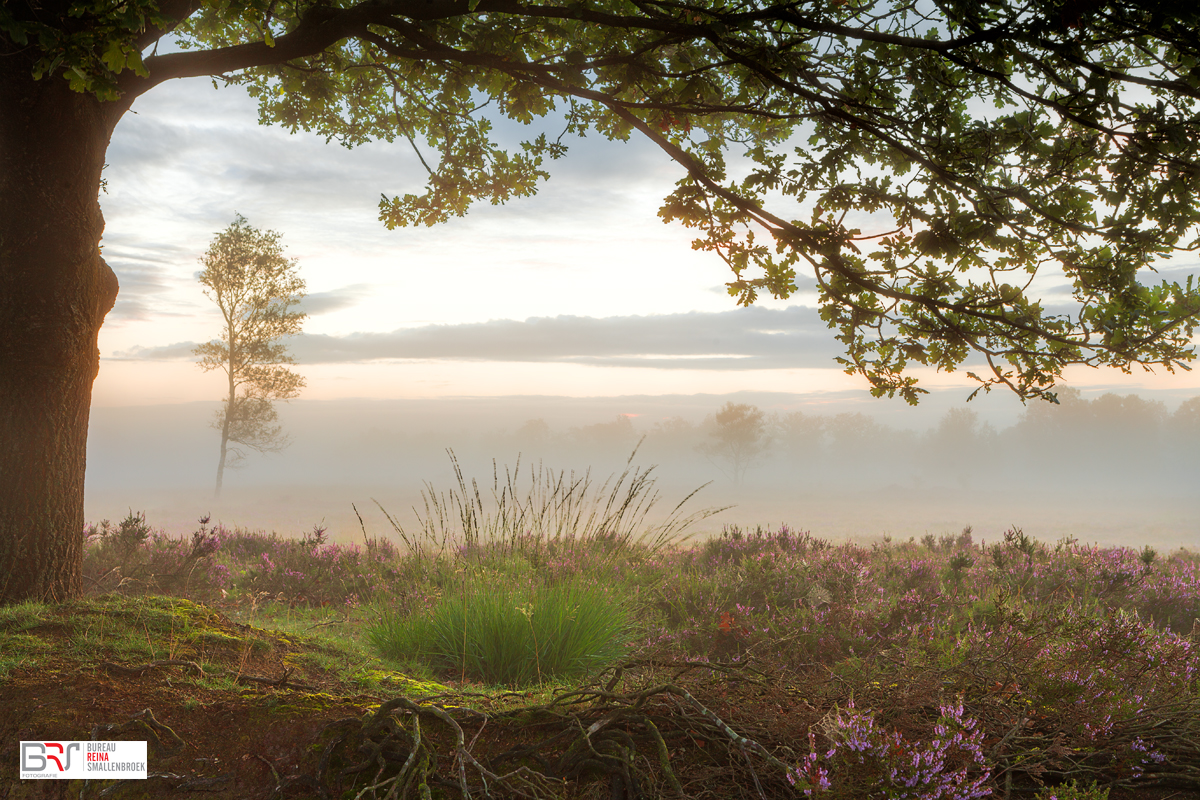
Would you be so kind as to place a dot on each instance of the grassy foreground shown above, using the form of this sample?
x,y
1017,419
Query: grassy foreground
x,y
756,664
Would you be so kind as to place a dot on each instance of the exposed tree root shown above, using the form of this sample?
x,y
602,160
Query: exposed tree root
x,y
585,736
144,721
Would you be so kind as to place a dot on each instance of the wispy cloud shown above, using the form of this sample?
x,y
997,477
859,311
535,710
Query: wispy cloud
x,y
147,271
745,338
334,300
166,352
1175,273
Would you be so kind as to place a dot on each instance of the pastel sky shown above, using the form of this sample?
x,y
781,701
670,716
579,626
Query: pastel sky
x,y
580,291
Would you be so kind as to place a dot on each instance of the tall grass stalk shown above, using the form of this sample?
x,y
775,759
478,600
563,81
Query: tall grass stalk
x,y
556,507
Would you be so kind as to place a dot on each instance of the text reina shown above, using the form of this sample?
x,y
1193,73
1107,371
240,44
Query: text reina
x,y
98,751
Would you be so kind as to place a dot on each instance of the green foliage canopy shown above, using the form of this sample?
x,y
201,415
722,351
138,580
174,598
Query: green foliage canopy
x,y
992,143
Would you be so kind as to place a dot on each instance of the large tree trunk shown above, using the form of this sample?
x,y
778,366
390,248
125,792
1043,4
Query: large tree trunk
x,y
55,291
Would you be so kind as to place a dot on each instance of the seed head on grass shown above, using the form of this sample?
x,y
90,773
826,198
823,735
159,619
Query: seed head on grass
x,y
527,611
541,510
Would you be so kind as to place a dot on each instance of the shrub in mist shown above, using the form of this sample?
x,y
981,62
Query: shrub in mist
x,y
133,556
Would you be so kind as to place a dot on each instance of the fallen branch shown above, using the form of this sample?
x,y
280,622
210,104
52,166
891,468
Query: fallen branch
x,y
281,682
142,669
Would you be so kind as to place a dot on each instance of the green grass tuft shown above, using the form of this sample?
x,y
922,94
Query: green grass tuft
x,y
506,636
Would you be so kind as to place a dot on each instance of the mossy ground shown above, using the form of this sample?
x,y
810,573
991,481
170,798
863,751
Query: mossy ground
x,y
259,710
56,684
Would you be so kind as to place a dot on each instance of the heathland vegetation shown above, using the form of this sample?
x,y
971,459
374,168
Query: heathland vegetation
x,y
572,652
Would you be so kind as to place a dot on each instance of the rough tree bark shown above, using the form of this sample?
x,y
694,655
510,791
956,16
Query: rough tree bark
x,y
55,291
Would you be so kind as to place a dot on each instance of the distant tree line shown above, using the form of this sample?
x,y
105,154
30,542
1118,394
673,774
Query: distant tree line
x,y
1077,445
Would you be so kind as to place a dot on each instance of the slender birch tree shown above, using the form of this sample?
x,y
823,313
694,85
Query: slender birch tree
x,y
253,285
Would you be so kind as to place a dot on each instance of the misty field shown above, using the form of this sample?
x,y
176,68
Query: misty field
x,y
630,662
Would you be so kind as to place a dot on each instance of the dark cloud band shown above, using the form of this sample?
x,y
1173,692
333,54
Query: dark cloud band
x,y
744,338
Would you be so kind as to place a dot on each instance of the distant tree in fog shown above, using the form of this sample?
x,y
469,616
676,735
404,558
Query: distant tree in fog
x,y
803,435
673,433
253,285
1045,429
1131,420
855,437
1182,434
607,438
738,436
1111,432
1109,421
534,433
959,444
1185,422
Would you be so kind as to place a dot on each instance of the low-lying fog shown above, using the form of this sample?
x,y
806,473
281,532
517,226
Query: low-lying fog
x,y
1105,468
